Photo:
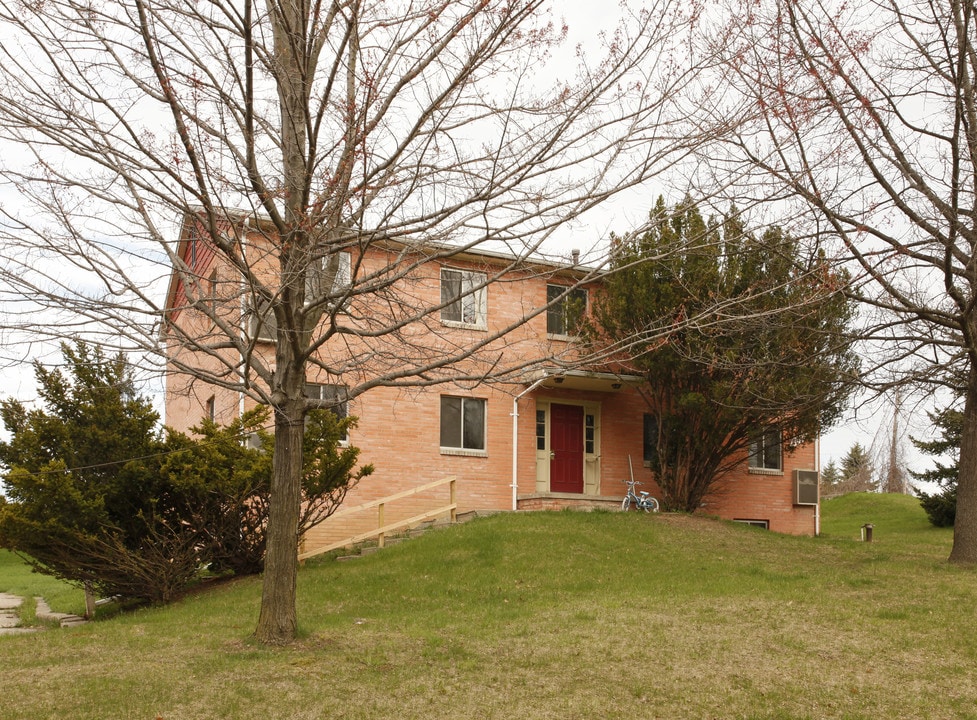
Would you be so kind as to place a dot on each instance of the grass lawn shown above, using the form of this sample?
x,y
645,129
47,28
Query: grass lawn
x,y
17,578
552,615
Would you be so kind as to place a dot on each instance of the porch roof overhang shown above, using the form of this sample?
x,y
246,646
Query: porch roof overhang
x,y
585,380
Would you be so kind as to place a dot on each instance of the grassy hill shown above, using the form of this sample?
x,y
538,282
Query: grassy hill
x,y
553,615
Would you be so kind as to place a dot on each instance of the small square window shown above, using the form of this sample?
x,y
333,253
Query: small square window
x,y
462,423
464,293
565,308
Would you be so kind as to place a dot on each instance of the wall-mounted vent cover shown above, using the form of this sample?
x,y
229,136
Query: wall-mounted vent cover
x,y
805,487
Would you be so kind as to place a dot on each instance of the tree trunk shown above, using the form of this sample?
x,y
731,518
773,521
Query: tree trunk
x,y
965,526
277,621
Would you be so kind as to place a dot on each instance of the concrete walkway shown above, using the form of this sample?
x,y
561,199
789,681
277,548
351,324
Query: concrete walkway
x,y
10,619
43,612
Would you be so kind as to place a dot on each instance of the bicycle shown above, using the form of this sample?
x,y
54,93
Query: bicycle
x,y
642,500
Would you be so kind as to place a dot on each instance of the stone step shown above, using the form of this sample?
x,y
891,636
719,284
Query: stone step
x,y
44,613
9,616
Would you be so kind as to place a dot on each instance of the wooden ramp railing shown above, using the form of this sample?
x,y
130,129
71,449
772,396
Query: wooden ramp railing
x,y
382,528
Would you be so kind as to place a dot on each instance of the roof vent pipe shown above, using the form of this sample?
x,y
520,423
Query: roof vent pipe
x,y
575,256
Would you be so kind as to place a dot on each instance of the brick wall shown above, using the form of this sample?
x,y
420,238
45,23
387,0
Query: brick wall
x,y
770,496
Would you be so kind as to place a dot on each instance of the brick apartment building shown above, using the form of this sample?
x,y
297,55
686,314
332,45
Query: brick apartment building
x,y
543,437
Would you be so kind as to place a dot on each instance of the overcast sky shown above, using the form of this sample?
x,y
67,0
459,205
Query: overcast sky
x,y
586,20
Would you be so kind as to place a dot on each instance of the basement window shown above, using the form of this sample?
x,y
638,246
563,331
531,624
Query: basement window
x,y
765,524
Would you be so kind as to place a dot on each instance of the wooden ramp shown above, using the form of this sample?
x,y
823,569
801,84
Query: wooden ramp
x,y
374,514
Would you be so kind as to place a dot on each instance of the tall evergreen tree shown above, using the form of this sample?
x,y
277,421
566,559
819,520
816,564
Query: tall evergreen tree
x,y
941,506
857,471
830,478
740,337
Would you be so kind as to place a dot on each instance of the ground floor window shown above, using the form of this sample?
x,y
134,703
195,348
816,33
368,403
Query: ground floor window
x,y
462,423
335,395
765,452
653,439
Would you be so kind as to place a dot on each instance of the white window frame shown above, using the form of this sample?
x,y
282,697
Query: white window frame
x,y
335,393
765,524
767,455
263,325
316,271
468,307
262,322
463,447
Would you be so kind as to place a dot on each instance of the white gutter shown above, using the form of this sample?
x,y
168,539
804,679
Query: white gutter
x,y
515,438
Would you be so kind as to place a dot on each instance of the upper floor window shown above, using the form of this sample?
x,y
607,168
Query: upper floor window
x,y
765,450
463,294
328,276
211,291
565,308
193,240
263,323
462,423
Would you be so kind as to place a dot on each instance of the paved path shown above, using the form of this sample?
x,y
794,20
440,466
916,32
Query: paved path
x,y
45,613
10,619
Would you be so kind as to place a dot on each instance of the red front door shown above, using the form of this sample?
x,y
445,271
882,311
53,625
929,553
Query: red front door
x,y
566,447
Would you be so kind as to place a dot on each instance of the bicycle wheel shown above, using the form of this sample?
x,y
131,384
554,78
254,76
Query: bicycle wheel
x,y
654,505
626,504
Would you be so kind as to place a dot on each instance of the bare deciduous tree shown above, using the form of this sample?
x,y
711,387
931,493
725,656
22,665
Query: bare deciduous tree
x,y
284,135
863,116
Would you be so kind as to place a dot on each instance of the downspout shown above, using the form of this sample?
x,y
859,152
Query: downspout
x,y
244,320
515,438
817,465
